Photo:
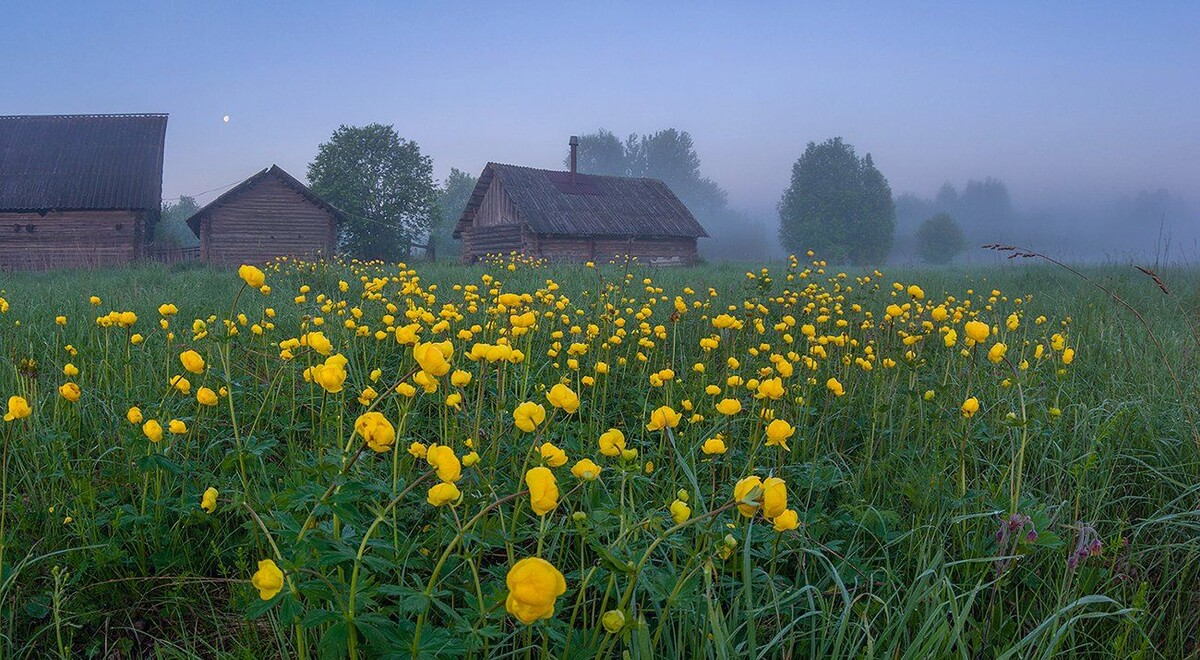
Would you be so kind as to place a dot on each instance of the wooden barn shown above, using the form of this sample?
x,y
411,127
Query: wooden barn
x,y
269,215
78,190
568,216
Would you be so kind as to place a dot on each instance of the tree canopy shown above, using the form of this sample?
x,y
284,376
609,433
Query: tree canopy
x,y
384,185
838,205
453,195
940,239
172,230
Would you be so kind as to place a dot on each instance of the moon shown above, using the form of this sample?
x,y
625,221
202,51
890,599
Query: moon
x,y
225,119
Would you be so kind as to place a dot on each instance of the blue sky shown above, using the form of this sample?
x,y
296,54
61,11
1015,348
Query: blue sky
x,y
1063,102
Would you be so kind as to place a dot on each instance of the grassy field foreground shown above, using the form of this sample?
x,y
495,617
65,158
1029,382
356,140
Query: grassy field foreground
x,y
515,460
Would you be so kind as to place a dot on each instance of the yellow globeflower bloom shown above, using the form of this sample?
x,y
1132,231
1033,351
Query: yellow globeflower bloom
x,y
528,415
786,521
662,418
742,490
443,459
836,387
996,353
970,407
778,433
543,490
561,396
534,585
134,415
585,469
774,497
209,501
612,442
182,384
69,391
713,446
978,331
553,456
470,459
153,430
206,397
192,361
254,278
376,430
729,407
680,512
70,370
268,579
177,427
443,493
431,359
18,408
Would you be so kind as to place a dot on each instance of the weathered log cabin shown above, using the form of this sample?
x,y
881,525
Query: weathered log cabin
x,y
78,191
269,215
569,216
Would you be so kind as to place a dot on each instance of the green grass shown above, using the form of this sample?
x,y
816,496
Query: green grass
x,y
894,557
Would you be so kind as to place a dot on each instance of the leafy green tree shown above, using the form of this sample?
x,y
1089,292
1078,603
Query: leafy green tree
x,y
172,230
453,196
384,185
838,205
600,153
940,239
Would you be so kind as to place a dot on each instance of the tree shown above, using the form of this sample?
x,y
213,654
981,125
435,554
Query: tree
x,y
453,196
382,183
940,239
172,230
837,205
600,153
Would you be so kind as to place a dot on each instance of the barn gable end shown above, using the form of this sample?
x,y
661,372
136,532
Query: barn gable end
x,y
269,215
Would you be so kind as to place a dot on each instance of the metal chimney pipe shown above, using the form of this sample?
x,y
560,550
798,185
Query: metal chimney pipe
x,y
574,155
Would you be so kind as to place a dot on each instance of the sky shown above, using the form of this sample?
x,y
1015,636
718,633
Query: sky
x,y
1062,101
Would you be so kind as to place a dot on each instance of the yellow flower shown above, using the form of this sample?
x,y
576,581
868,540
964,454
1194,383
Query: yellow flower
x,y
543,490
561,396
1068,355
177,427
834,386
18,408
742,491
95,300
442,459
970,407
713,446
528,415
996,353
612,442
585,469
977,331
774,499
206,397
134,415
69,391
61,320
470,459
443,493
70,370
553,456
254,278
330,375
182,384
460,378
778,433
431,358
663,417
209,501
786,521
680,512
771,388
318,342
192,361
417,450
153,430
534,585
376,430
729,407
268,579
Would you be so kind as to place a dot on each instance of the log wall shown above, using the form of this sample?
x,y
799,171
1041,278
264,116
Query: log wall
x,y
68,239
655,251
267,221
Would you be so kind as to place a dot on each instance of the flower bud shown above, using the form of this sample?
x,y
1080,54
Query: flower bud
x,y
613,621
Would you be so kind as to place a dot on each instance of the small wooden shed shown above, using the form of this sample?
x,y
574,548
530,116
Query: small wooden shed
x,y
569,216
269,215
78,190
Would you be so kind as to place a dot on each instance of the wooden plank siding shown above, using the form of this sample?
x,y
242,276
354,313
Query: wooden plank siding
x,y
647,250
496,208
69,239
269,220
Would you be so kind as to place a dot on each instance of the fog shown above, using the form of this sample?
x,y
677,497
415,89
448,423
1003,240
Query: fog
x,y
1087,114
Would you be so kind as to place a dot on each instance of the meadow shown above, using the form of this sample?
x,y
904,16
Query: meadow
x,y
520,460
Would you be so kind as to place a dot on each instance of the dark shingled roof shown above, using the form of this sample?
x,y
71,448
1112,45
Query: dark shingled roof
x,y
550,203
77,162
274,171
